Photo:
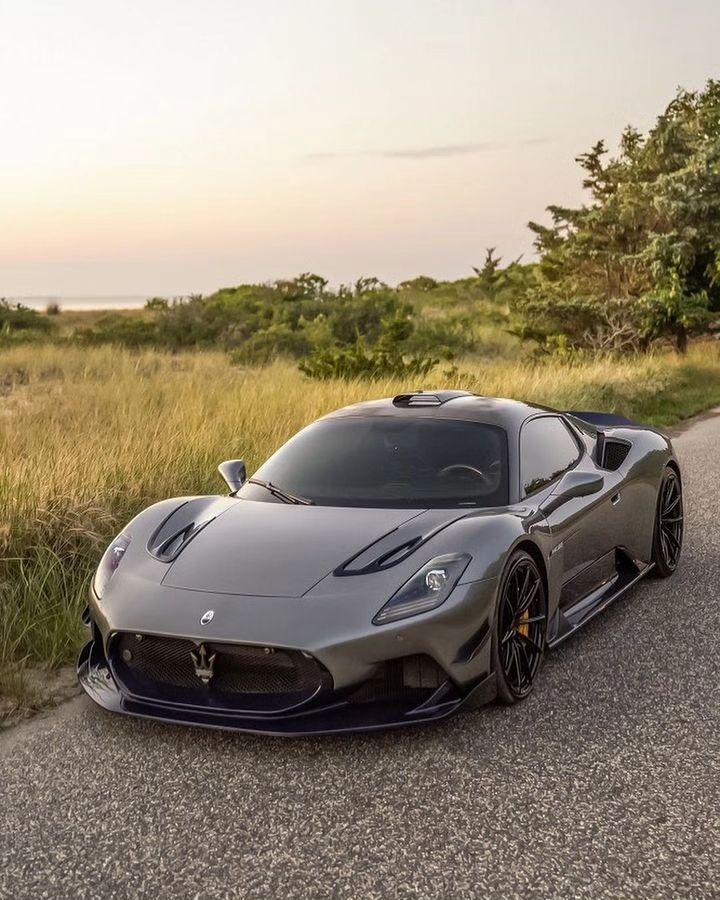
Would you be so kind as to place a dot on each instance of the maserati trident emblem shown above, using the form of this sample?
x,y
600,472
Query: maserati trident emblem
x,y
207,617
204,664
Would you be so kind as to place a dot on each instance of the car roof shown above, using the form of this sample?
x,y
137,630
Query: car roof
x,y
498,411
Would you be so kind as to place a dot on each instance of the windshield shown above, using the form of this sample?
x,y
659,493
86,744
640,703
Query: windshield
x,y
390,461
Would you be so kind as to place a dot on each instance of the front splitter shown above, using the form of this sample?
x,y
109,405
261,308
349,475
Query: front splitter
x,y
337,718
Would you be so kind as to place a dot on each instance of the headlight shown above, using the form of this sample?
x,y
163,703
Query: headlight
x,y
427,589
111,559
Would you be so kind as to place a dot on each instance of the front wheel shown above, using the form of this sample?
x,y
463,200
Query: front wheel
x,y
519,636
669,521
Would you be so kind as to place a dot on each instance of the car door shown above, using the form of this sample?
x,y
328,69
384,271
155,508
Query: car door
x,y
581,527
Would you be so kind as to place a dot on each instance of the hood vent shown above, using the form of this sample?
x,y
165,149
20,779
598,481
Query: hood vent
x,y
391,558
182,525
400,543
172,546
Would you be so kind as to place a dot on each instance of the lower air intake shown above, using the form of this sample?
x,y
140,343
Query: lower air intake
x,y
410,679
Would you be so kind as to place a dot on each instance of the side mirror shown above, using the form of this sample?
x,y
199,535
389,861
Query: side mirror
x,y
234,474
573,484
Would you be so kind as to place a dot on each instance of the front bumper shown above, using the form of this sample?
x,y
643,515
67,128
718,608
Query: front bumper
x,y
329,715
341,640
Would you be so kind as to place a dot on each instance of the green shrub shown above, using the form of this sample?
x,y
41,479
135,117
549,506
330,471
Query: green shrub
x,y
388,358
129,332
359,361
446,337
271,343
363,315
19,324
157,304
16,317
422,284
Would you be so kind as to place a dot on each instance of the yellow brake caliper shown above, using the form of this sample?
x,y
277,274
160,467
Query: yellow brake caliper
x,y
523,627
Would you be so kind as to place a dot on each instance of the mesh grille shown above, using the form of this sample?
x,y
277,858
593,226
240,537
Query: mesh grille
x,y
243,677
615,454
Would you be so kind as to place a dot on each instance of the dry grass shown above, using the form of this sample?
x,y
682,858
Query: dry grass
x,y
89,437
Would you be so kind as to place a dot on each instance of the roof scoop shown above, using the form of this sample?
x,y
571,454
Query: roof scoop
x,y
429,398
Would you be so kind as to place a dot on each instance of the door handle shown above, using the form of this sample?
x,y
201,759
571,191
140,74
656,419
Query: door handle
x,y
616,498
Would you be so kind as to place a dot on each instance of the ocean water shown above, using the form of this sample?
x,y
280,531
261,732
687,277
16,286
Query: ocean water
x,y
75,303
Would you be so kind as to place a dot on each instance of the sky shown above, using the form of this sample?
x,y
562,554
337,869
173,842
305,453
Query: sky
x,y
176,146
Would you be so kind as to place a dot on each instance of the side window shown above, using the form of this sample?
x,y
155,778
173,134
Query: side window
x,y
547,449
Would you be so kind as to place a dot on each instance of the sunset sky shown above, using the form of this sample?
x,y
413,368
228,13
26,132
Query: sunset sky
x,y
172,146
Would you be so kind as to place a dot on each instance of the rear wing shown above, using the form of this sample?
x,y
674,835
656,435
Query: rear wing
x,y
603,420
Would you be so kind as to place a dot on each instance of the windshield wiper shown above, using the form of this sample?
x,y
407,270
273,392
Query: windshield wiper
x,y
281,494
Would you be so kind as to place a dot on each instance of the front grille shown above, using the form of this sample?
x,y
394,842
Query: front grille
x,y
241,677
410,679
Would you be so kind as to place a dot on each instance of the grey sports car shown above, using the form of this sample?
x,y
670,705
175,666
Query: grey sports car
x,y
393,562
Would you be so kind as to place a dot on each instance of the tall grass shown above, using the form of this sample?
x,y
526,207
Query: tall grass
x,y
89,437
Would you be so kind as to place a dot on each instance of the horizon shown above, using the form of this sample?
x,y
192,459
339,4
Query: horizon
x,y
165,150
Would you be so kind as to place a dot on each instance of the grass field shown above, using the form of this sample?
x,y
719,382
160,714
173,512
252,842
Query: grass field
x,y
90,436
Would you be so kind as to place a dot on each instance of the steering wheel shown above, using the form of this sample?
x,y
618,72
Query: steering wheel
x,y
488,481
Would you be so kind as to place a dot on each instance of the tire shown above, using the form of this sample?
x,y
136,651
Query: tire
x,y
518,643
669,525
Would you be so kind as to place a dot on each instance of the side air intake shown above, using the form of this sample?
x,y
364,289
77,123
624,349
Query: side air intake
x,y
614,453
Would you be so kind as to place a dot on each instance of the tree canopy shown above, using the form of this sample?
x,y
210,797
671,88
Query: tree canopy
x,y
641,260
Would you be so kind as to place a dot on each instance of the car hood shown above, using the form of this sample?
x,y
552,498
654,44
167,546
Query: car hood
x,y
282,550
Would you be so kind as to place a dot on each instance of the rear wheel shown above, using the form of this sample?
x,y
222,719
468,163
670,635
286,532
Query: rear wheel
x,y
669,522
519,637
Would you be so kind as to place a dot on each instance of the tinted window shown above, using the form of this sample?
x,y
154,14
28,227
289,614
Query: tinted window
x,y
546,450
391,461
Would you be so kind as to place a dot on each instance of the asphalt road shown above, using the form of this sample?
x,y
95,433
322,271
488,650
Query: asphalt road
x,y
605,783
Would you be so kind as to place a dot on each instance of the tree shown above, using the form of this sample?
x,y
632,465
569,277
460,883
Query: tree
x,y
490,276
306,286
641,260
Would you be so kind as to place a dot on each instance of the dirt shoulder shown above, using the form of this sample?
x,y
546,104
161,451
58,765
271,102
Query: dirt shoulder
x,y
25,693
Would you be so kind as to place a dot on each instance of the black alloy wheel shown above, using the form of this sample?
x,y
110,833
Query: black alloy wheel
x,y
669,522
519,639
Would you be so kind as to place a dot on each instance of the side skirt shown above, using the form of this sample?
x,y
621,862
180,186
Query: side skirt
x,y
572,619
